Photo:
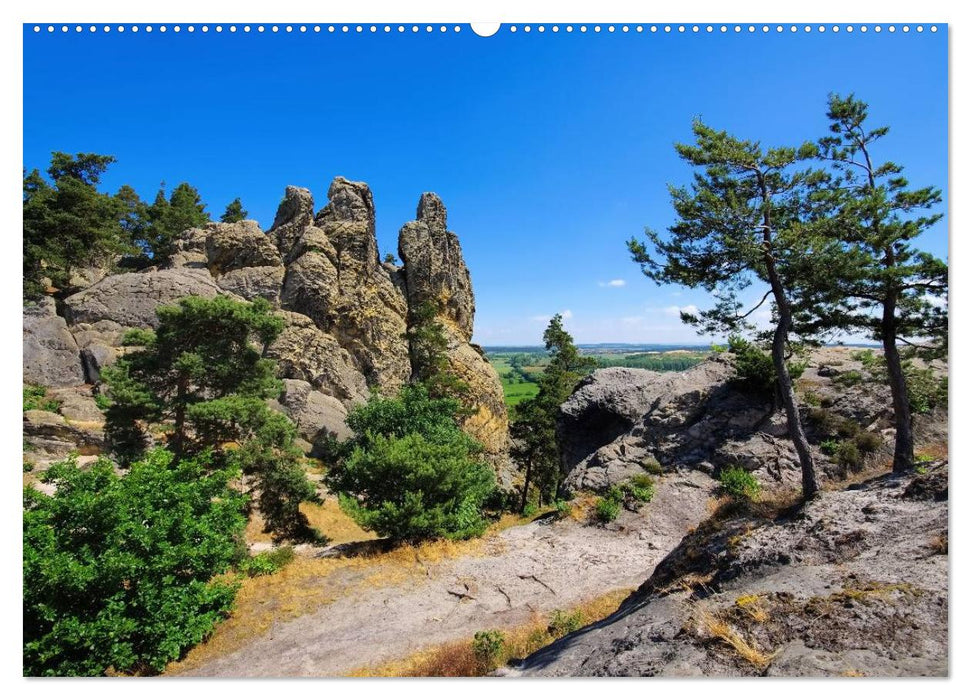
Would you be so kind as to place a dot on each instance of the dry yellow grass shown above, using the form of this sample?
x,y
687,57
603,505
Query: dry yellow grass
x,y
458,659
309,583
714,627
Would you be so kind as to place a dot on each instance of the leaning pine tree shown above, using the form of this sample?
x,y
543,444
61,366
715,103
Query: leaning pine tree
x,y
899,292
746,219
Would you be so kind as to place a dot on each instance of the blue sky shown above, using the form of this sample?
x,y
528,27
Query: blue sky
x,y
549,150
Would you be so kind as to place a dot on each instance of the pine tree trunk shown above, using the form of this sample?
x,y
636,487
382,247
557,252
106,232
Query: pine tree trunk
x,y
810,484
903,450
524,501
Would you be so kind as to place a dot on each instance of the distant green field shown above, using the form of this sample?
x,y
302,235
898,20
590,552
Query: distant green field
x,y
519,370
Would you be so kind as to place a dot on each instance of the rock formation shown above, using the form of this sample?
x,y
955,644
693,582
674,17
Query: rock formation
x,y
435,273
346,312
855,583
619,420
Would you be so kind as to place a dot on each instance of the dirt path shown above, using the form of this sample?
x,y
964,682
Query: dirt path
x,y
534,568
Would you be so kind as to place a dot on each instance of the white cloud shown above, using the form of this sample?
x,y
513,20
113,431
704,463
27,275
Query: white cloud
x,y
613,283
566,314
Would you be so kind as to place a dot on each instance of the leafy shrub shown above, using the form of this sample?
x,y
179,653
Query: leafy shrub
x,y
640,488
847,428
848,455
410,472
829,447
102,401
488,647
849,378
652,466
563,509
754,367
867,442
123,572
562,624
268,562
607,509
35,399
867,357
811,398
530,509
138,337
739,484
925,391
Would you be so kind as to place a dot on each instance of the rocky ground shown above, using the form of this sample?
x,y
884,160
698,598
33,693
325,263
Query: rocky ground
x,y
535,568
853,584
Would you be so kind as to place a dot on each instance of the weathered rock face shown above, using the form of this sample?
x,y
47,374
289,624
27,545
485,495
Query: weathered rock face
x,y
335,279
435,273
855,583
130,299
304,352
234,246
51,355
619,418
318,417
346,311
435,270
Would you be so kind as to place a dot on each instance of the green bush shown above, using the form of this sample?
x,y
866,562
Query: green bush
x,y
123,572
849,378
268,562
925,391
102,401
640,488
410,473
754,367
739,484
652,466
563,509
811,398
824,421
488,647
848,455
562,624
829,447
867,442
607,509
35,399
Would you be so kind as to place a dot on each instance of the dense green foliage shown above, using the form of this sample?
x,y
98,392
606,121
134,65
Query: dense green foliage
x,y
121,572
234,212
427,346
69,224
755,369
200,374
487,646
739,484
268,562
534,426
409,472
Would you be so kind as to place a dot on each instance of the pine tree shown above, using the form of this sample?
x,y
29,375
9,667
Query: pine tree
x,y
900,292
67,222
199,376
533,431
234,212
748,218
169,218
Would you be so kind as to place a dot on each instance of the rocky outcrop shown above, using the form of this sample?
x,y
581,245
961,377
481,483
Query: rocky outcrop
x,y
435,270
130,299
336,279
346,311
306,353
855,583
619,419
51,355
234,246
435,274
52,436
318,416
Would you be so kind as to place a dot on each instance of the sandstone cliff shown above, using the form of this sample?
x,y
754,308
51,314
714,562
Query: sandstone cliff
x,y
346,312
